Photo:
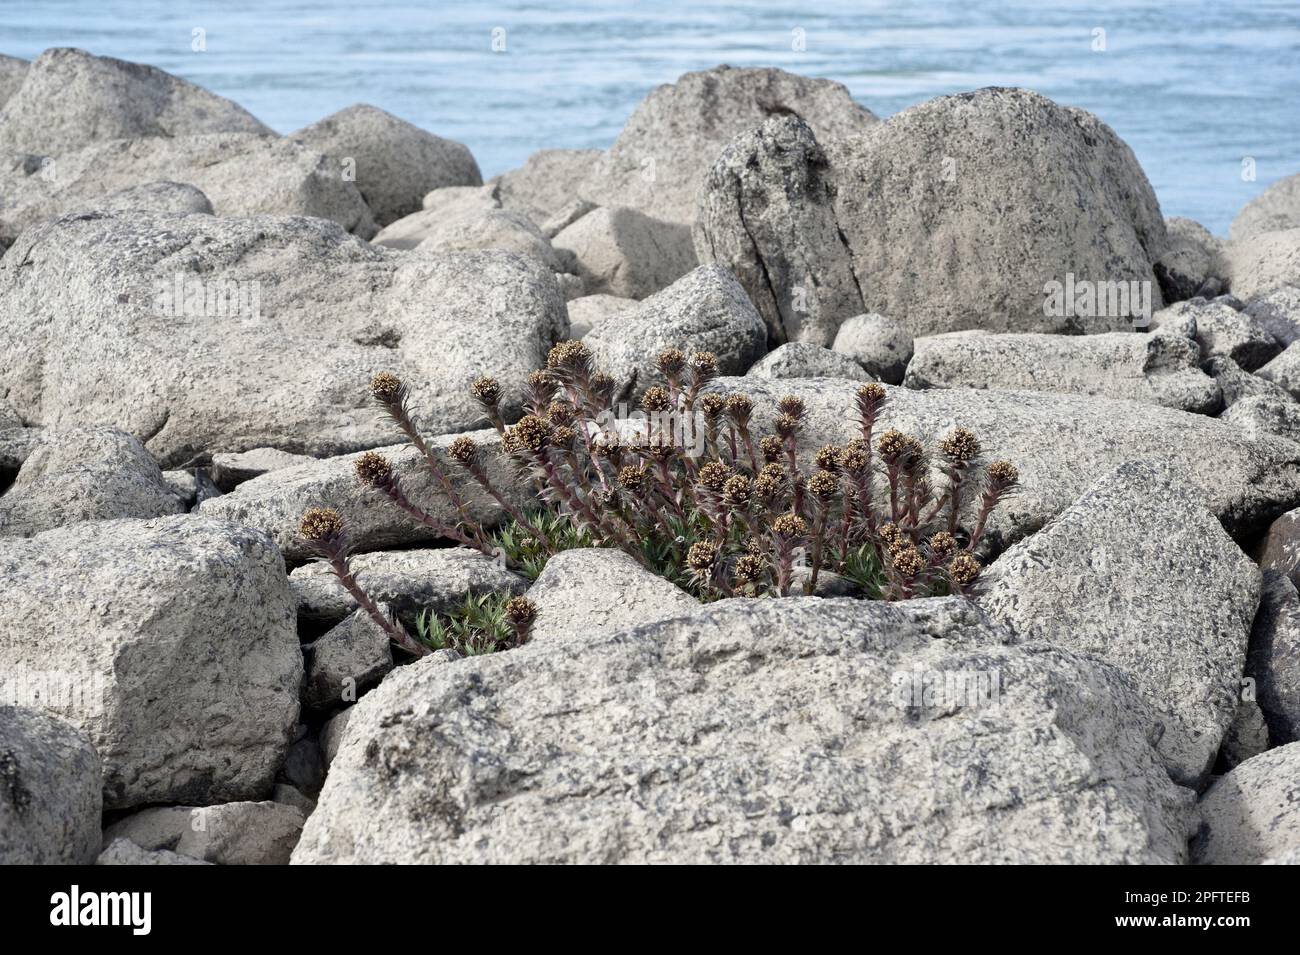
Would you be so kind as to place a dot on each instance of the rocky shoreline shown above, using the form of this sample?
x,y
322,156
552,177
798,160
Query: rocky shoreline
x,y
194,309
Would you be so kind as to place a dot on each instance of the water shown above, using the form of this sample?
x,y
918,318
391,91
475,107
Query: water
x,y
1193,87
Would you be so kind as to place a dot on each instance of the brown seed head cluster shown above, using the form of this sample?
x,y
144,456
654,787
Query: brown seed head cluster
x,y
373,469
790,526
671,361
563,437
712,405
893,536
908,561
854,459
892,443
748,569
960,446
773,448
963,569
520,612
791,405
739,407
569,356
561,412
828,458
714,475
532,433
655,400
1004,473
737,492
321,525
942,544
632,477
463,450
486,391
387,388
870,398
823,485
704,364
701,557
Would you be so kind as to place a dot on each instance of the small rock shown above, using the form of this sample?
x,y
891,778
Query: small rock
x,y
492,229
231,469
1265,414
304,767
566,217
1252,813
350,658
588,311
236,833
126,852
1274,658
1284,370
879,345
1278,312
806,360
1193,260
623,252
1236,384
1221,330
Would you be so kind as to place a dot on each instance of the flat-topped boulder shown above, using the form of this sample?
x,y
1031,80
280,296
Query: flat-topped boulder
x,y
1274,209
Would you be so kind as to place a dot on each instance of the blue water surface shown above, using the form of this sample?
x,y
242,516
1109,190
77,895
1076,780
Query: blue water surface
x,y
1195,87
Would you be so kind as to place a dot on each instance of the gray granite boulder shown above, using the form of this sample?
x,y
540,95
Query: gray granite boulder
x,y
1276,208
175,642
588,311
1222,331
491,229
1278,312
13,71
1236,384
806,360
353,656
1252,813
1193,262
229,469
394,163
125,852
623,252
1264,263
51,795
545,184
155,197
795,730
1265,414
1284,370
1274,658
235,833
1245,738
880,345
1157,369
1279,548
1138,573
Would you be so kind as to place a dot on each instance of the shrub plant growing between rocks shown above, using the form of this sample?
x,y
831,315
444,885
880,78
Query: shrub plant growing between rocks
x,y
689,491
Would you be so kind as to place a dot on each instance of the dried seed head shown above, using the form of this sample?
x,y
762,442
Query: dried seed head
x,y
892,535
563,437
321,525
755,548
747,570
823,485
963,569
1004,473
892,443
569,356
532,433
486,391
712,405
767,487
463,450
387,388
520,612
705,365
908,561
656,399
772,448
632,477
870,397
913,451
791,405
854,458
714,475
828,458
671,361
942,544
541,387
561,412
737,492
601,387
786,425
373,469
790,526
739,407
960,446
701,557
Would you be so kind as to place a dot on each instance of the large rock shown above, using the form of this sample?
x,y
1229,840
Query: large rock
x,y
200,335
353,656
235,833
1265,414
546,183
395,164
1060,443
1279,312
1274,209
1193,261
1252,813
1224,332
1138,573
155,197
176,645
1158,369
959,213
588,311
240,173
704,310
755,731
1280,546
491,229
70,98
125,852
596,591
1274,658
274,503
1264,263
676,133
86,474
1236,384
12,73
231,469
880,345
623,252
806,360
408,581
1284,370
51,794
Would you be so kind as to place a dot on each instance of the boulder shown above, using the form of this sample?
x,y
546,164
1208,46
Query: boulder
x,y
1236,384
287,795
233,468
1156,369
677,132
235,833
1280,546
50,790
1278,312
881,346
588,311
1264,263
86,474
16,446
1274,209
71,98
12,73
1193,261
806,360
155,197
620,251
591,592
203,335
353,656
175,643
1265,414
1223,331
491,229
331,734
546,183
1138,573
274,502
567,215
1274,658
1246,737
1060,443
394,163
1284,370
408,581
995,209
1252,813
704,310
126,852
795,730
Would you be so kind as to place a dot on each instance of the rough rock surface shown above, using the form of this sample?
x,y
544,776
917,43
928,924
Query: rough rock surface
x,y
12,72
546,183
408,581
1193,262
1222,331
596,591
272,339
1284,370
1265,414
235,833
490,229
50,790
353,656
878,344
806,360
71,98
1138,573
623,252
672,138
1236,384
176,638
241,174
953,214
86,474
1264,263
753,731
1280,546
588,311
704,310
125,852
1060,443
1253,812
1274,658
1276,208
1279,312
1158,369
231,469
155,197
331,735
395,164
1246,737
274,502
